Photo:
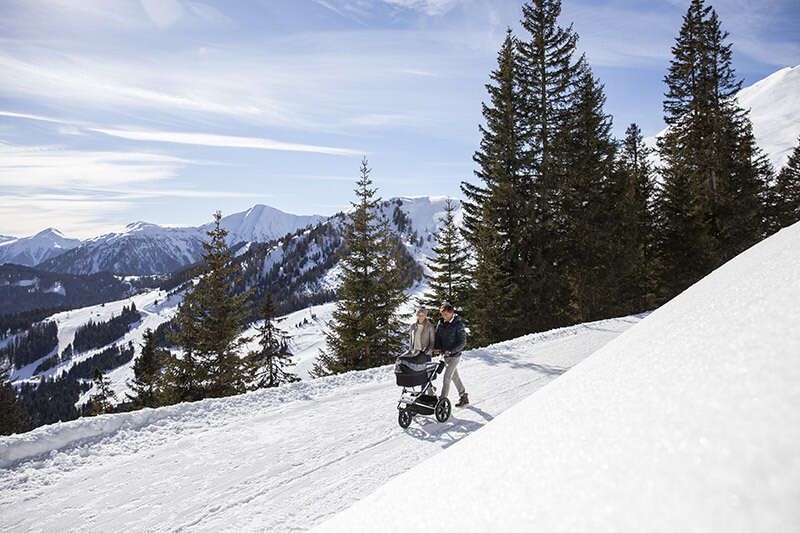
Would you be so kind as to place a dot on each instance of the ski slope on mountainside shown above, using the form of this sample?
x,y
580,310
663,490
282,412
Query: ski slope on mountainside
x,y
278,459
689,421
155,307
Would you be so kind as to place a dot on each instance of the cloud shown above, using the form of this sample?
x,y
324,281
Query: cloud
x,y
55,166
163,13
86,212
77,215
225,141
429,7
29,116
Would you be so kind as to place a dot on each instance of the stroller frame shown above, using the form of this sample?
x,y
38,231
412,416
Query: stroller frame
x,y
418,402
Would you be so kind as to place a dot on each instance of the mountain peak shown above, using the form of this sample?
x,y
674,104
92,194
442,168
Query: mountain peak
x,y
50,232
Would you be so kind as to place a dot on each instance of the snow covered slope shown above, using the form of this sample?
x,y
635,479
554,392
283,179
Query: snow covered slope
x,y
774,105
689,421
30,251
272,460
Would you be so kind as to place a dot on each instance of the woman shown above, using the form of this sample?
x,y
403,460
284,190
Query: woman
x,y
422,334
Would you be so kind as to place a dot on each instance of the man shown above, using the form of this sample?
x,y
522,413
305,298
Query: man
x,y
451,337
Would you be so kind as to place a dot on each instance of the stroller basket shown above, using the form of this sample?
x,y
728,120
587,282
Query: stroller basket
x,y
413,371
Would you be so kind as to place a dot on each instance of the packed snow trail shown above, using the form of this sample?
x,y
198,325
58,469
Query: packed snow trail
x,y
270,460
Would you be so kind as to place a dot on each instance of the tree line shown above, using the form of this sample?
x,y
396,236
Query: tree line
x,y
101,333
568,224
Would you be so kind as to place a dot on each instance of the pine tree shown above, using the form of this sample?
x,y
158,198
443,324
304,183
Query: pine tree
x,y
269,365
147,373
635,210
366,330
448,281
785,193
12,416
210,322
550,73
495,211
739,207
588,232
102,401
714,177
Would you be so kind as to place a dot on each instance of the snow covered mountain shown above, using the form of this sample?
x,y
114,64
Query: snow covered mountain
x,y
304,266
30,251
262,223
774,107
688,421
140,249
144,249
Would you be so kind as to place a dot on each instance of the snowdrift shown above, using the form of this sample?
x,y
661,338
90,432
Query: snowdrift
x,y
688,421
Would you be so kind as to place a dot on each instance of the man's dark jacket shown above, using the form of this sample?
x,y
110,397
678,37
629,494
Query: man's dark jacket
x,y
450,336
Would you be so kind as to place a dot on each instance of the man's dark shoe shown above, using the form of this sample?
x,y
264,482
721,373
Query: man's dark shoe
x,y
463,401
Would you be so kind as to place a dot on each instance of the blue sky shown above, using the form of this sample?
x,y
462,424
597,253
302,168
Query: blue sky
x,y
165,110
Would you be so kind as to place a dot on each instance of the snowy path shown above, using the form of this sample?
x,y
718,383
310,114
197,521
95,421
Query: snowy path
x,y
271,460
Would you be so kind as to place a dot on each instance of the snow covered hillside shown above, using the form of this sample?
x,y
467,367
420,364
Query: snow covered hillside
x,y
774,108
155,307
689,421
273,460
30,251
774,105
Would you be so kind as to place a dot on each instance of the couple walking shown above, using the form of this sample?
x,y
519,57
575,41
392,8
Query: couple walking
x,y
448,338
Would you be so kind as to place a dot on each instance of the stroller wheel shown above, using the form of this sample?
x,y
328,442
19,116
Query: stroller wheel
x,y
403,418
443,409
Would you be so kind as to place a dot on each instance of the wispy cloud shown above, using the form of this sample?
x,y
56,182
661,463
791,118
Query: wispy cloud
x,y
55,166
225,141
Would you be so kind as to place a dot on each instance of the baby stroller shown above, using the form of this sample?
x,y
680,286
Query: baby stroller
x,y
418,370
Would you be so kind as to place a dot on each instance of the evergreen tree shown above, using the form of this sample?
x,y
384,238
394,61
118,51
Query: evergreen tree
x,y
271,362
588,231
102,401
366,330
448,281
785,194
495,211
146,373
550,74
635,210
210,322
184,375
712,203
12,416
